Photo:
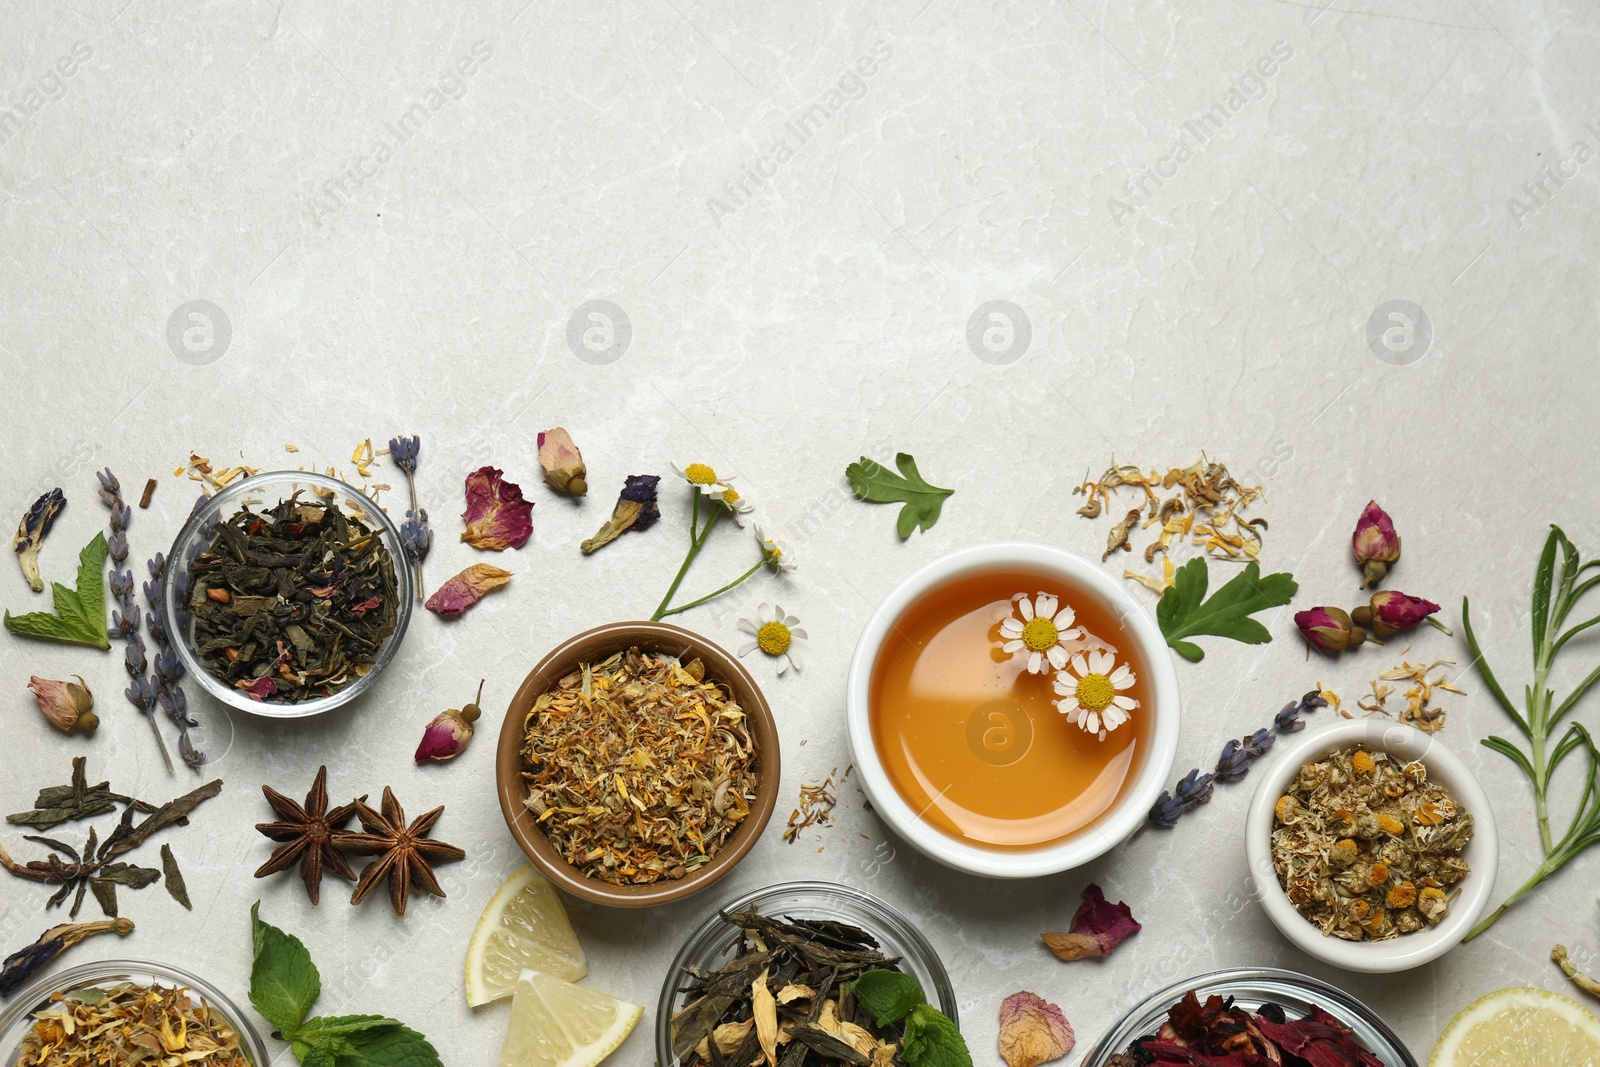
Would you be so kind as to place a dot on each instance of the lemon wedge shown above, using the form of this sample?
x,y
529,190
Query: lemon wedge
x,y
523,927
558,1024
1519,1028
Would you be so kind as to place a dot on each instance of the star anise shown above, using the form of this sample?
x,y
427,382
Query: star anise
x,y
405,850
308,833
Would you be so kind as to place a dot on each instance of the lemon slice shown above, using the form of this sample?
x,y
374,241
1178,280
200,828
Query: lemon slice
x,y
523,927
558,1024
1519,1028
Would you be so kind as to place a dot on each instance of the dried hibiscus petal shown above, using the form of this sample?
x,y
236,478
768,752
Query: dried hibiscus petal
x,y
1033,1031
497,516
1098,928
1319,1039
466,589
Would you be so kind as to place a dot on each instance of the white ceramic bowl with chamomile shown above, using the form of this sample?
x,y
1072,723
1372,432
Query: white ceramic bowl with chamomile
x,y
1154,763
1445,768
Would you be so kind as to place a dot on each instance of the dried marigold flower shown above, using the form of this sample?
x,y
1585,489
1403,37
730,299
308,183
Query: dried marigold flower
x,y
1378,874
1362,762
1391,825
1402,896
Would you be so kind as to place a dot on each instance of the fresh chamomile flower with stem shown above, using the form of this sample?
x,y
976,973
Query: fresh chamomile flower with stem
x,y
1091,692
1039,629
713,493
775,634
773,550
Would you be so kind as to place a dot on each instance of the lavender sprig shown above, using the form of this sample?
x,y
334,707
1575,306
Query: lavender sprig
x,y
168,668
140,693
417,539
403,450
1237,756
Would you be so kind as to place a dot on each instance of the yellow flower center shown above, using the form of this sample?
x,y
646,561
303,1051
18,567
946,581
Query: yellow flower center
x,y
774,638
1095,691
730,497
1040,633
700,474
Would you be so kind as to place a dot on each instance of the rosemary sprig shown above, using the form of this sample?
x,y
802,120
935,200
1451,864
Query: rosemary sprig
x,y
1554,598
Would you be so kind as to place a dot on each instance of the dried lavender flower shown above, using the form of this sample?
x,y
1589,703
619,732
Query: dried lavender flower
x,y
168,671
416,538
140,692
1237,756
403,450
1288,721
1194,790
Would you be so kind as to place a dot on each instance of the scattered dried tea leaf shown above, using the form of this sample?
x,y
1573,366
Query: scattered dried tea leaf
x,y
816,804
1033,1031
764,1009
497,516
149,491
1098,927
467,588
1118,537
1419,711
172,878
1205,509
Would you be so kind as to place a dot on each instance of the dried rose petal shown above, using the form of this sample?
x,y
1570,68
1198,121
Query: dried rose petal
x,y
562,463
466,589
1098,928
497,516
260,688
1033,1031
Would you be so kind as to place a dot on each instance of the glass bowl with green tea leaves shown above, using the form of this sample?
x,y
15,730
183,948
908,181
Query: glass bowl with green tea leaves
x,y
117,1012
812,940
287,594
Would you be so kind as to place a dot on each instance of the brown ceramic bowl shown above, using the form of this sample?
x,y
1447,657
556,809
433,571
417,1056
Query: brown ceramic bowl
x,y
589,647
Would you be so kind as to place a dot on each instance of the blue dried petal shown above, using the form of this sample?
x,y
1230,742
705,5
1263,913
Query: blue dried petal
x,y
641,489
192,756
117,545
30,534
121,586
415,535
158,632
176,705
140,695
133,657
199,502
403,450
125,625
169,669
1196,788
1258,743
1192,791
110,488
157,565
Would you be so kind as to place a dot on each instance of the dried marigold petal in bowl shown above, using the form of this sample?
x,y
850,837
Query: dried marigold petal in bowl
x,y
637,764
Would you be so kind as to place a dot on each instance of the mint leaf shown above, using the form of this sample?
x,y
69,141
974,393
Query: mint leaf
x,y
283,980
932,1040
80,614
396,1046
888,995
1184,610
876,484
314,1031
318,1057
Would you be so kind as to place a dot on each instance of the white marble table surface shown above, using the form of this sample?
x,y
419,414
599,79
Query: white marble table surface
x,y
394,213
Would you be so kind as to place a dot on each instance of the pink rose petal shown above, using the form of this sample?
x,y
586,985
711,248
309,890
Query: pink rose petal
x,y
497,516
1098,928
1033,1031
466,589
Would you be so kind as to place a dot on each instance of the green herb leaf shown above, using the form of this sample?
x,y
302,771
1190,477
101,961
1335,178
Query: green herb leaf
x,y
932,1040
1184,610
283,980
320,1030
395,1046
888,995
80,615
876,484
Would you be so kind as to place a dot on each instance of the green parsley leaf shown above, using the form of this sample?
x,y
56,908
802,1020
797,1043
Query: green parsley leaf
x,y
1184,610
876,484
888,995
932,1040
80,614
395,1046
283,981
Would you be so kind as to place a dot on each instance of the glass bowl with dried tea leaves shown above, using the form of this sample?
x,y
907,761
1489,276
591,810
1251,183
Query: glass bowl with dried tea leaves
x,y
1371,845
637,764
810,940
287,594
118,1013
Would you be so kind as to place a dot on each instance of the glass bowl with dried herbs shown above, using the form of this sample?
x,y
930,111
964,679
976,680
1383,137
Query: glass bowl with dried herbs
x,y
1371,845
118,1013
1301,1015
286,594
637,764
812,941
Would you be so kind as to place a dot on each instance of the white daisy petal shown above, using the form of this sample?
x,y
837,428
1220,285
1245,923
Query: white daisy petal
x,y
1100,662
1058,656
1064,684
1012,646
1068,705
1035,663
1125,702
795,631
1045,605
1079,666
1012,627
1092,722
1025,608
794,660
1071,635
748,647
1065,617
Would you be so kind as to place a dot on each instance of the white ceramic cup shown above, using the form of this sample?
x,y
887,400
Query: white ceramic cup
x,y
1154,765
1403,743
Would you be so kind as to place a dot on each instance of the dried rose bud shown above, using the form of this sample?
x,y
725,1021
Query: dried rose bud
x,y
1329,629
66,704
447,735
1375,543
562,462
1390,612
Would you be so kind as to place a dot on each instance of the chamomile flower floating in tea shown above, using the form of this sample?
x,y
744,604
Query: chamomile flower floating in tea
x,y
774,633
1039,630
1090,691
